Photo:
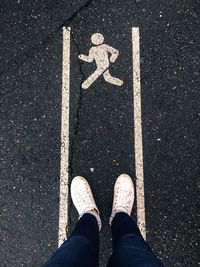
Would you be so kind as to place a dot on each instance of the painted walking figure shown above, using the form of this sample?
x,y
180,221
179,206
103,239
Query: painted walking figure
x,y
100,53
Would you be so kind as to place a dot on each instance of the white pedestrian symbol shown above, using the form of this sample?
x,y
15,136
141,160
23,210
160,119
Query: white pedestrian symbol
x,y
100,53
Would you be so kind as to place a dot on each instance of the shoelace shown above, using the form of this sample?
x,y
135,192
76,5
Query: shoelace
x,y
124,197
85,198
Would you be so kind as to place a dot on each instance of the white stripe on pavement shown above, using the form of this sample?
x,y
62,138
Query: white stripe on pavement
x,y
63,205
138,132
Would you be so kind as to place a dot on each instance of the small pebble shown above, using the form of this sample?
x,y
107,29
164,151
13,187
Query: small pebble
x,y
92,169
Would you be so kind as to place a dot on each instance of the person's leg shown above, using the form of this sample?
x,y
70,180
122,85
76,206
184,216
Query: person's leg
x,y
129,247
109,78
82,247
92,78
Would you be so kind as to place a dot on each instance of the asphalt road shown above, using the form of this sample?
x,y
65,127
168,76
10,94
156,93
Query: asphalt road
x,y
101,121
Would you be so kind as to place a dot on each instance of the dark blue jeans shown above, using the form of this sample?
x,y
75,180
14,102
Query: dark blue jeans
x,y
81,249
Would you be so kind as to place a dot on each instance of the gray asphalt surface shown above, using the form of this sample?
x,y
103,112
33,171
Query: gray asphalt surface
x,y
101,122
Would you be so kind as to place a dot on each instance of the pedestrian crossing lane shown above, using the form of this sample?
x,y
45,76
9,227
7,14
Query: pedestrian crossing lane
x,y
137,120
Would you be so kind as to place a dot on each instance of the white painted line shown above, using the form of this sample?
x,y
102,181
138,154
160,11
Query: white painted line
x,y
138,132
63,205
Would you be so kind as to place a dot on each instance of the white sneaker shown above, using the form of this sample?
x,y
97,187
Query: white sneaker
x,y
83,199
123,196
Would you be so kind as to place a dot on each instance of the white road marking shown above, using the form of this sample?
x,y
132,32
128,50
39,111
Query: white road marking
x,y
99,53
138,132
63,205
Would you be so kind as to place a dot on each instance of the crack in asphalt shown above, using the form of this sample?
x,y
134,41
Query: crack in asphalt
x,y
76,13
30,53
71,166
18,60
77,116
